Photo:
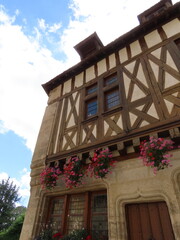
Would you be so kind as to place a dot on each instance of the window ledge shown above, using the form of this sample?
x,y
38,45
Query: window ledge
x,y
116,109
90,119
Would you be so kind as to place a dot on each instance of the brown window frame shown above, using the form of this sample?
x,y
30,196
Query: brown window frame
x,y
108,104
109,88
90,97
104,86
93,112
111,79
87,214
93,89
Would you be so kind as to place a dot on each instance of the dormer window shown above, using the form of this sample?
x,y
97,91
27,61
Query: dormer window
x,y
154,11
89,46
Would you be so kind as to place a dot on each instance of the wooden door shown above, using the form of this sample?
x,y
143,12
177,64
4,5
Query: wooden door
x,y
148,221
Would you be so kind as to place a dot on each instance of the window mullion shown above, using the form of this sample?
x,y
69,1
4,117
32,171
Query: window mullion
x,y
87,211
100,97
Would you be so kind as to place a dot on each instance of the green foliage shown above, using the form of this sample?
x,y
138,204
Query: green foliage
x,y
76,235
8,198
14,231
46,234
16,212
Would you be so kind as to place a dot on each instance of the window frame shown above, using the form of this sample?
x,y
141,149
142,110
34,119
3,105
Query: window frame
x,y
103,87
87,214
90,97
106,103
87,104
107,88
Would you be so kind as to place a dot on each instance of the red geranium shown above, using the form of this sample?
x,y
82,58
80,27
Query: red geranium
x,y
88,237
101,163
74,171
154,153
59,235
49,177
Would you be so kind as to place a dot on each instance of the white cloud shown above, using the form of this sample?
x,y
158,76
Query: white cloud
x,y
24,66
23,183
55,27
17,12
3,175
4,18
2,128
42,24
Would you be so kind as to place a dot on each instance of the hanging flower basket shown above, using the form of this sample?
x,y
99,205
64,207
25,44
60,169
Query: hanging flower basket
x,y
154,153
49,177
74,171
101,163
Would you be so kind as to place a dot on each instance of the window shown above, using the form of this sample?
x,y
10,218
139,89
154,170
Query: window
x,y
56,214
91,108
99,222
91,89
91,103
102,96
110,80
87,210
111,92
112,99
76,212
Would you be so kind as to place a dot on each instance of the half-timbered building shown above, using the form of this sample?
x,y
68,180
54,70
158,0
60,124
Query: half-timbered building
x,y
117,96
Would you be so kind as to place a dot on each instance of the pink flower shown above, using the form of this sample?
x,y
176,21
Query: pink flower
x,y
155,153
48,177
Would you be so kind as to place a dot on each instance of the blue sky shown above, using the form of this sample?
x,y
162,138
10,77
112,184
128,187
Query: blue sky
x,y
36,44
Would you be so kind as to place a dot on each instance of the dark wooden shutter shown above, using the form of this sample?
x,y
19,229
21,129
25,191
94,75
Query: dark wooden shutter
x,y
148,221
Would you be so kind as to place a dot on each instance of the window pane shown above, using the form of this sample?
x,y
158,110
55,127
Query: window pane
x,y
76,213
92,89
99,220
91,108
56,214
112,99
99,203
56,224
57,206
110,80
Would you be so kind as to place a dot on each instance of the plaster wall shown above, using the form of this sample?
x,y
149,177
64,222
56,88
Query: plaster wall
x,y
172,27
